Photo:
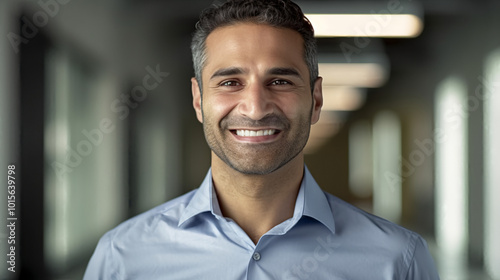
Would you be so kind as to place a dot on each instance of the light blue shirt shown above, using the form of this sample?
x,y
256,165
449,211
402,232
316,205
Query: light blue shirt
x,y
327,238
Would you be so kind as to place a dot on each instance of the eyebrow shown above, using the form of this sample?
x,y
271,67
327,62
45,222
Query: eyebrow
x,y
282,71
227,72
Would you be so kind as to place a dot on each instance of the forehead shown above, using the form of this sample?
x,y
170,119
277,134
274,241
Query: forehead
x,y
250,44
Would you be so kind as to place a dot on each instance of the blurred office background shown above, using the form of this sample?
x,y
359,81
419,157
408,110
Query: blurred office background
x,y
96,115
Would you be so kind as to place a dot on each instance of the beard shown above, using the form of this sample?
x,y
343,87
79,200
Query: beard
x,y
255,158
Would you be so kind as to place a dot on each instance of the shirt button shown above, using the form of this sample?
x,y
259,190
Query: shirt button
x,y
256,256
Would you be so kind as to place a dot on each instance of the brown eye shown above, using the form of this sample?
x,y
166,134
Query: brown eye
x,y
230,84
280,83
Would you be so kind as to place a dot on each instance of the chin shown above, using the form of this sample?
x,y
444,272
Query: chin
x,y
254,168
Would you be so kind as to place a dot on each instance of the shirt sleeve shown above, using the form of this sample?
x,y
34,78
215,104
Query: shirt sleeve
x,y
102,266
422,266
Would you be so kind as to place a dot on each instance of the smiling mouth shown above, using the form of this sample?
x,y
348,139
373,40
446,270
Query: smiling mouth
x,y
255,133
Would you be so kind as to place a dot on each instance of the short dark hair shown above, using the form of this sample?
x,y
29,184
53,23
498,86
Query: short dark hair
x,y
276,13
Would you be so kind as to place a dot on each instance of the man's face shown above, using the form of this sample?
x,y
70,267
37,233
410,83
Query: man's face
x,y
257,105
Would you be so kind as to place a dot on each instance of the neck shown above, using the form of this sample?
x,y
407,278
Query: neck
x,y
257,203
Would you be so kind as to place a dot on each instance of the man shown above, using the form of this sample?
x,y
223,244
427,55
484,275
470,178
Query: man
x,y
258,214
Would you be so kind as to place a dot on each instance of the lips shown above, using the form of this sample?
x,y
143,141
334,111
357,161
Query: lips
x,y
265,130
256,136
255,133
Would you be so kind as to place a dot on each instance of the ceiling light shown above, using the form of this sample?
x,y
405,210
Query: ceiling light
x,y
366,25
342,98
364,19
368,75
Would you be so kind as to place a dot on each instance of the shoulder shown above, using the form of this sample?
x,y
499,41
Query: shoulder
x,y
133,239
349,218
167,214
379,239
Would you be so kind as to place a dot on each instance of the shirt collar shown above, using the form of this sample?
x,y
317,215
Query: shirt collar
x,y
204,200
311,202
316,204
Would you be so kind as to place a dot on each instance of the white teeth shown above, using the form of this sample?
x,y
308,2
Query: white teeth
x,y
252,133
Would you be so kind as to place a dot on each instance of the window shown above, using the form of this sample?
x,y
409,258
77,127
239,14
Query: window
x,y
451,173
491,96
387,197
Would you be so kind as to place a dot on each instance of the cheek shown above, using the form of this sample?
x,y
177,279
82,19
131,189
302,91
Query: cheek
x,y
298,108
218,106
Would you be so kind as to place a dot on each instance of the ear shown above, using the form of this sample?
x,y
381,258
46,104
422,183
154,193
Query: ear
x,y
195,90
317,100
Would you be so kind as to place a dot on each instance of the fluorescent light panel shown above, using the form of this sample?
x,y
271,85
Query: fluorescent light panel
x,y
366,25
340,98
365,75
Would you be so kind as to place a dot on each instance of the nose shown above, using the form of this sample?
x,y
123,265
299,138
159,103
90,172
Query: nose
x,y
256,102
